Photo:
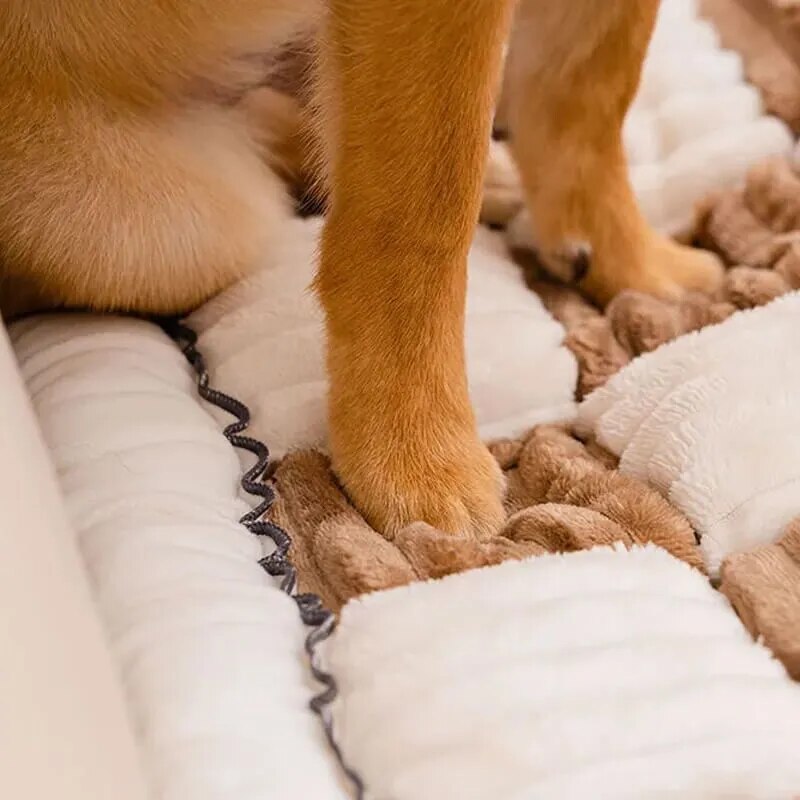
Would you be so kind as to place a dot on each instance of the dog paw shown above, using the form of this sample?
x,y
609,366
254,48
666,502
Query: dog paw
x,y
688,268
662,268
606,262
434,474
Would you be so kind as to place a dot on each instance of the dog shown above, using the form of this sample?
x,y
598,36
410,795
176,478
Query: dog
x,y
129,181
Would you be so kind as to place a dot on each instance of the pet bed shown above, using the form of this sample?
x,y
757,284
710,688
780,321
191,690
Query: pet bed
x,y
581,652
585,669
615,668
210,649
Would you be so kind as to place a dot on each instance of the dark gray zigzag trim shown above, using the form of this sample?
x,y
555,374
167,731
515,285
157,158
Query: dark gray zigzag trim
x,y
312,612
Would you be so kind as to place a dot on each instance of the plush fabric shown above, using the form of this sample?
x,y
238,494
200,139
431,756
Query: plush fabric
x,y
711,421
210,652
608,673
767,35
562,496
613,672
764,587
64,727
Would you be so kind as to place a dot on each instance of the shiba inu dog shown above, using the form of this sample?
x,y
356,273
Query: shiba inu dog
x,y
128,181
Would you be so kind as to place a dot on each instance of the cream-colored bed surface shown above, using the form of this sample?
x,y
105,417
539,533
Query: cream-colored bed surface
x,y
64,733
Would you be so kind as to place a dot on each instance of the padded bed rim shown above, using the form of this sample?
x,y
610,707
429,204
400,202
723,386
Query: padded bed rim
x,y
314,615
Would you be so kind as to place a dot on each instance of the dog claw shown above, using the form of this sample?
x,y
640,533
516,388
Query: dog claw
x,y
581,264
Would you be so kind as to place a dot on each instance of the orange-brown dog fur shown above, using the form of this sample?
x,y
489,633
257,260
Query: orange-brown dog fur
x,y
126,184
572,72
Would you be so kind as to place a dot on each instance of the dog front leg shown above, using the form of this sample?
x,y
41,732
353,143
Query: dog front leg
x,y
408,90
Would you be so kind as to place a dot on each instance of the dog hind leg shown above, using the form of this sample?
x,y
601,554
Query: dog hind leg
x,y
573,71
